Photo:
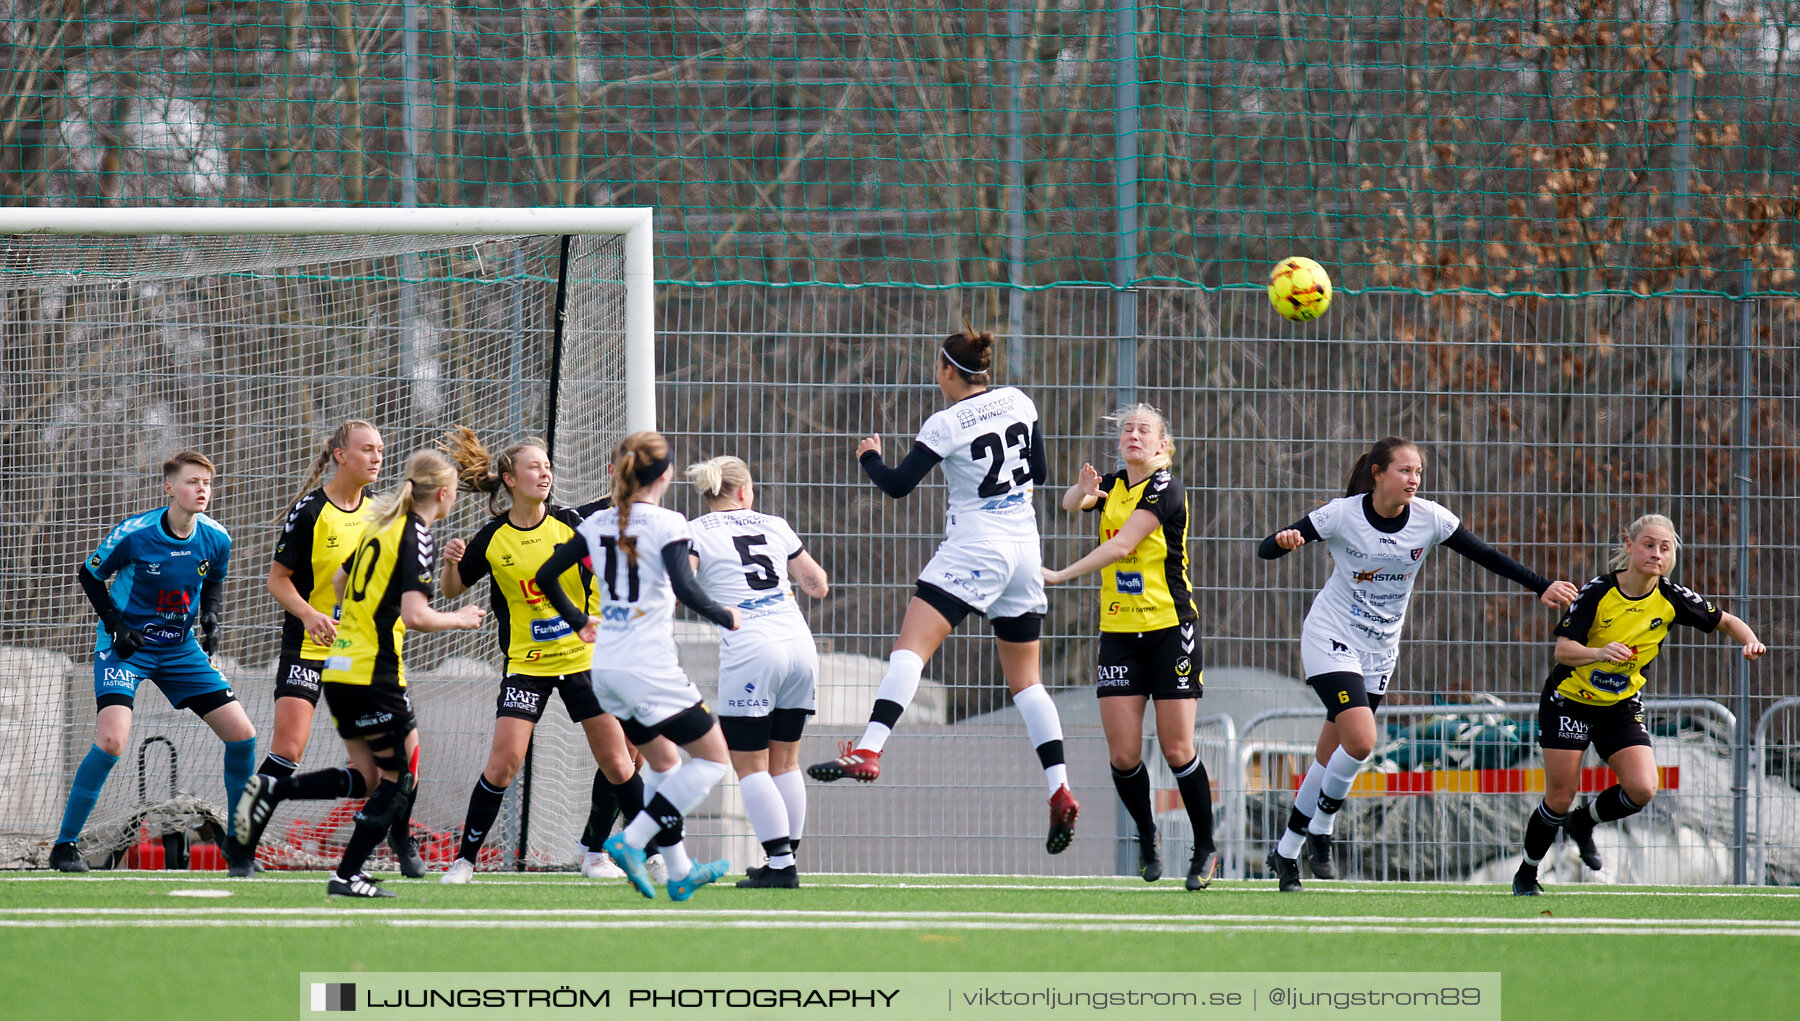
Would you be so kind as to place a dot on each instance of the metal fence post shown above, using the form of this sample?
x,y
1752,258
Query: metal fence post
x,y
1740,759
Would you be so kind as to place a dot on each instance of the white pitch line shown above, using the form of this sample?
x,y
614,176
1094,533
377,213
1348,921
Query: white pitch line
x,y
601,918
1127,885
681,919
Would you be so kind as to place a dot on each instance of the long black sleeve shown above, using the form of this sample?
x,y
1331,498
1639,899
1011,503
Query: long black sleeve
x,y
212,596
1470,545
1271,550
897,482
95,590
1034,455
564,558
687,587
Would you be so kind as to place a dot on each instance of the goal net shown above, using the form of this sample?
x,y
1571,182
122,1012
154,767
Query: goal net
x,y
249,335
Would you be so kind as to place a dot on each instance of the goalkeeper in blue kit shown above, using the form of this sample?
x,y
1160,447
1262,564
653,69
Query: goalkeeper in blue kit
x,y
166,567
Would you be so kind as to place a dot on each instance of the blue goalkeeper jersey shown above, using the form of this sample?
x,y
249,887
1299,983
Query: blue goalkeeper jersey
x,y
157,578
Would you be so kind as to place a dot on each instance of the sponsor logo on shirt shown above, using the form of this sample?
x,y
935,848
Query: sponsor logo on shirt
x,y
1131,583
549,630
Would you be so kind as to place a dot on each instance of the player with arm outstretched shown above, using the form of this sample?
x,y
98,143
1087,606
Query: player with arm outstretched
x,y
167,569
1604,645
542,653
1379,534
1149,630
385,589
769,666
991,447
638,552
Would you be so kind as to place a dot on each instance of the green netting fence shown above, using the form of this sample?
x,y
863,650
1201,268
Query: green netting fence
x,y
1555,146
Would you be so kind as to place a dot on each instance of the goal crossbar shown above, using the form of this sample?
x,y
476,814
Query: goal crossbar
x,y
633,224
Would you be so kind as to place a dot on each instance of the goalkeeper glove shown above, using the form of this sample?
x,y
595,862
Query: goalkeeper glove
x,y
126,641
209,632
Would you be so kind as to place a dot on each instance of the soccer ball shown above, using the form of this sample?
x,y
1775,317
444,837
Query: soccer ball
x,y
1299,288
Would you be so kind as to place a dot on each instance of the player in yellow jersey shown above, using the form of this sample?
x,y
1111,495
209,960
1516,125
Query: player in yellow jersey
x,y
316,535
1604,644
542,653
385,589
1149,637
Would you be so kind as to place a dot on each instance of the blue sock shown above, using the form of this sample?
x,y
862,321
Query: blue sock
x,y
240,758
90,776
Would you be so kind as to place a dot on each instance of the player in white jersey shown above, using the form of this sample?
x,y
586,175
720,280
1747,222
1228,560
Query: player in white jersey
x,y
638,553
1378,534
992,451
769,666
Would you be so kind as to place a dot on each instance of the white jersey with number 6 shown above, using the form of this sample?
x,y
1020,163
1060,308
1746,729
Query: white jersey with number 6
x,y
744,558
983,439
1363,603
637,603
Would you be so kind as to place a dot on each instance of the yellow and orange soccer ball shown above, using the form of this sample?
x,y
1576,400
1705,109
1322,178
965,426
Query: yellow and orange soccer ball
x,y
1299,288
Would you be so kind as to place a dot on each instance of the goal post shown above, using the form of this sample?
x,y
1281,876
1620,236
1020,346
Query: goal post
x,y
249,334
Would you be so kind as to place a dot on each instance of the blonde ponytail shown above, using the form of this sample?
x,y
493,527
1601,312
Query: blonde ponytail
x,y
719,476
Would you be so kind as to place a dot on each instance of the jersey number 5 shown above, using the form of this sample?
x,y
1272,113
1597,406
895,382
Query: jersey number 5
x,y
989,445
762,570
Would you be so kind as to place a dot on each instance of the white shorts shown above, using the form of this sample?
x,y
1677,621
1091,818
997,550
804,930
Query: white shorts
x,y
648,695
757,680
1322,653
999,578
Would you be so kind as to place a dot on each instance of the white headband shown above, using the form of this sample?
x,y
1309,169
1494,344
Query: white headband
x,y
946,353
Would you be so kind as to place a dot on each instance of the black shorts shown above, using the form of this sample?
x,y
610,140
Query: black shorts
x,y
753,733
1571,724
1163,664
368,710
522,697
298,678
1343,690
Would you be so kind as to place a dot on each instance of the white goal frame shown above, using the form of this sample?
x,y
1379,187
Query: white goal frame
x,y
634,224
629,323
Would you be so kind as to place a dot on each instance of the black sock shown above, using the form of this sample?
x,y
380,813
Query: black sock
x,y
603,808
484,807
1196,795
402,825
1540,831
886,712
366,835
322,785
276,766
1134,793
1611,805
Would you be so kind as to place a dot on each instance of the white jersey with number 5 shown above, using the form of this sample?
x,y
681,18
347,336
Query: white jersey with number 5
x,y
1363,603
983,439
744,558
637,603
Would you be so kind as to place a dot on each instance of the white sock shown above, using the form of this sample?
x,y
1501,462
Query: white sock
x,y
1340,773
763,804
1289,844
899,684
676,858
642,829
1043,726
792,786
781,861
653,779
1306,799
688,786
